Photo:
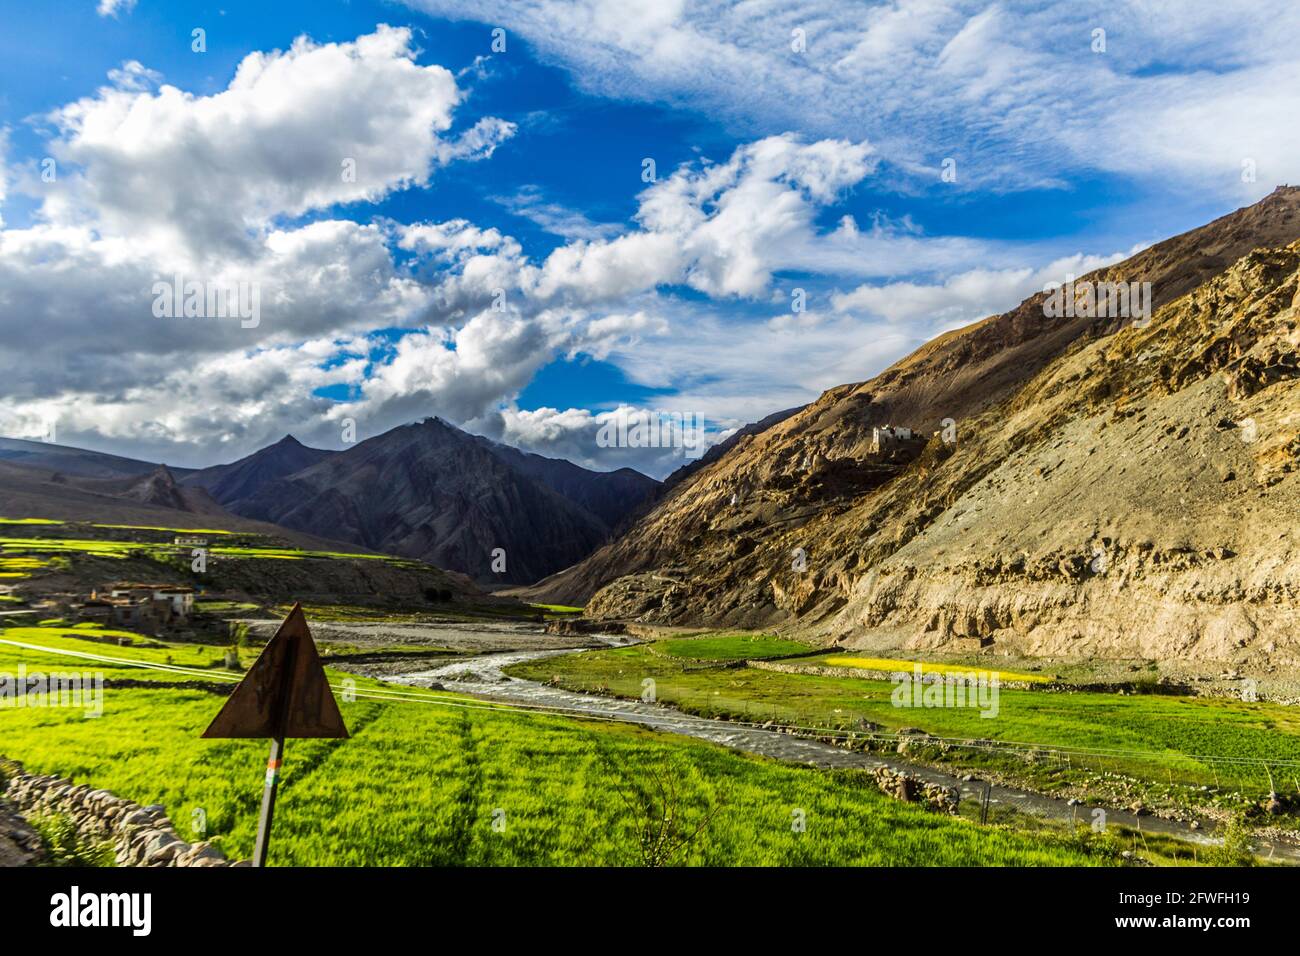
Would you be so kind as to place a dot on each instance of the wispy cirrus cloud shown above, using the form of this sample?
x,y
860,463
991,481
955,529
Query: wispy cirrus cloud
x,y
286,178
1018,93
965,296
529,202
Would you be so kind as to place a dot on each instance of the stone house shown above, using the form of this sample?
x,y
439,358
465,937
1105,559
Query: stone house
x,y
884,438
178,598
146,607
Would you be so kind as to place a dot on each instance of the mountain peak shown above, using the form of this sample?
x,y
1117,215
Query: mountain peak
x,y
439,421
427,489
228,483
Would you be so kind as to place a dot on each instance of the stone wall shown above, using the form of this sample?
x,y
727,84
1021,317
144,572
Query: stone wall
x,y
19,843
141,836
826,670
904,786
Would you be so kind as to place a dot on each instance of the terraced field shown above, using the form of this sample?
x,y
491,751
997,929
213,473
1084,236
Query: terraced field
x,y
122,549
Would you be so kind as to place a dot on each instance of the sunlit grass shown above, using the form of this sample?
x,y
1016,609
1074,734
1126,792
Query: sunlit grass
x,y
20,567
111,549
146,527
60,648
732,647
16,547
437,780
225,607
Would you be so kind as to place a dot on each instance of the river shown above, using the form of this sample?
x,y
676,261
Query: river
x,y
483,677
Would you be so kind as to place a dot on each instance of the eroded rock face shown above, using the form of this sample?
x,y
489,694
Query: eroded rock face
x,y
142,836
1088,486
1125,503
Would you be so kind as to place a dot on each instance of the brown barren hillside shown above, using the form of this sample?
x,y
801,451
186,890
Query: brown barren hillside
x,y
1112,489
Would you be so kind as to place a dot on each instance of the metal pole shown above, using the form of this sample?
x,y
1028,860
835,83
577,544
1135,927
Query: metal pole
x,y
268,801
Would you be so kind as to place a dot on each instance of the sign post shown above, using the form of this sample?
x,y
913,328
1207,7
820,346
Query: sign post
x,y
284,694
268,801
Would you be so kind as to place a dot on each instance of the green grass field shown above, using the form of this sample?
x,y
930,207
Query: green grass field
x,y
1163,739
66,649
146,527
21,549
443,780
224,607
112,549
731,647
19,568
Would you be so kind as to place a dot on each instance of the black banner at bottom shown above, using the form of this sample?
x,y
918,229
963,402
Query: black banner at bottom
x,y
333,906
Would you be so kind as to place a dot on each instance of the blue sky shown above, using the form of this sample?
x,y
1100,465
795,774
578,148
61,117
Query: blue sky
x,y
502,261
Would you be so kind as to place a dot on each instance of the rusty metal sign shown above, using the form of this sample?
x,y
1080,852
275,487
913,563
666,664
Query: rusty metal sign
x,y
284,694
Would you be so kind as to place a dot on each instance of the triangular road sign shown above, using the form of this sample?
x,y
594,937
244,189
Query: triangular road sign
x,y
285,692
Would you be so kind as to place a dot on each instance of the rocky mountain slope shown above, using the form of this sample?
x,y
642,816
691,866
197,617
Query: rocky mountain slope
x,y
434,492
610,496
33,492
27,492
159,487
1108,489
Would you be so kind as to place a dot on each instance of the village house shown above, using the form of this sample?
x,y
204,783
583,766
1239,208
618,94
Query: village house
x,y
178,597
888,437
139,613
191,541
147,607
96,609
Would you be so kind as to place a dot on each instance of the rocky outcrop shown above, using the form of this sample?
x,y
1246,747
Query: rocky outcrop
x,y
1125,504
141,836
